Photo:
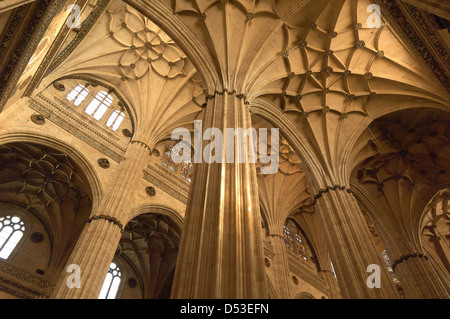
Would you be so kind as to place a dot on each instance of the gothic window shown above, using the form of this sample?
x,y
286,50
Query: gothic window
x,y
99,105
115,119
111,283
186,171
167,159
293,239
78,95
11,231
391,271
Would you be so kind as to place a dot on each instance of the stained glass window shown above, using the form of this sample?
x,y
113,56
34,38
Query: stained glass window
x,y
167,159
11,231
293,239
78,94
390,269
111,283
99,105
115,119
186,171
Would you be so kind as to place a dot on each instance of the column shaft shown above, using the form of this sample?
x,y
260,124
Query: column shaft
x,y
221,253
281,267
351,247
98,242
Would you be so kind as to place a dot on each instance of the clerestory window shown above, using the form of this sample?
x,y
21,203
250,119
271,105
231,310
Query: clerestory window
x,y
99,105
111,283
12,229
78,95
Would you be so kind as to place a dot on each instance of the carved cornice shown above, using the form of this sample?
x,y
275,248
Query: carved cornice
x,y
11,291
167,183
43,15
77,128
9,32
399,17
86,27
22,283
49,56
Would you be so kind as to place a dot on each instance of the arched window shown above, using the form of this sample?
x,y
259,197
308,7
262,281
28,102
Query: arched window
x,y
99,105
78,95
115,119
186,166
11,231
293,239
111,283
167,159
186,171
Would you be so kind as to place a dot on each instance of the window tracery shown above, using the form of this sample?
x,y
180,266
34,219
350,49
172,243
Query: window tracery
x,y
12,229
115,120
184,169
111,283
99,105
294,240
78,95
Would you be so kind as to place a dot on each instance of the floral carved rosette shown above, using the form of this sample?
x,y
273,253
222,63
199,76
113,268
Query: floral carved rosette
x,y
145,47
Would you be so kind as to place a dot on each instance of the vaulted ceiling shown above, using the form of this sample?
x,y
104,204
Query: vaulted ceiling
x,y
317,64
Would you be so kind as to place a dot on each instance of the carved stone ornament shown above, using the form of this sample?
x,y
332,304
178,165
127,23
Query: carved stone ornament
x,y
38,119
126,132
59,86
151,191
37,237
103,163
156,152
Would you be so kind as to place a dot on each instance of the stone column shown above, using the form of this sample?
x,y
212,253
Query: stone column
x,y
221,253
441,251
330,279
98,242
351,246
415,272
418,277
281,267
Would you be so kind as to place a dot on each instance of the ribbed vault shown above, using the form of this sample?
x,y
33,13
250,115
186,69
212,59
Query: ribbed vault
x,y
404,163
133,55
150,244
49,185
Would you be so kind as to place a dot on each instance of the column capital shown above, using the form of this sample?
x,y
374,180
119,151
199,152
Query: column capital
x,y
404,258
239,96
331,188
276,235
111,219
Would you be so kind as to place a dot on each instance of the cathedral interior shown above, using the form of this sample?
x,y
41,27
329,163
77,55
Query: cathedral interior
x,y
355,95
